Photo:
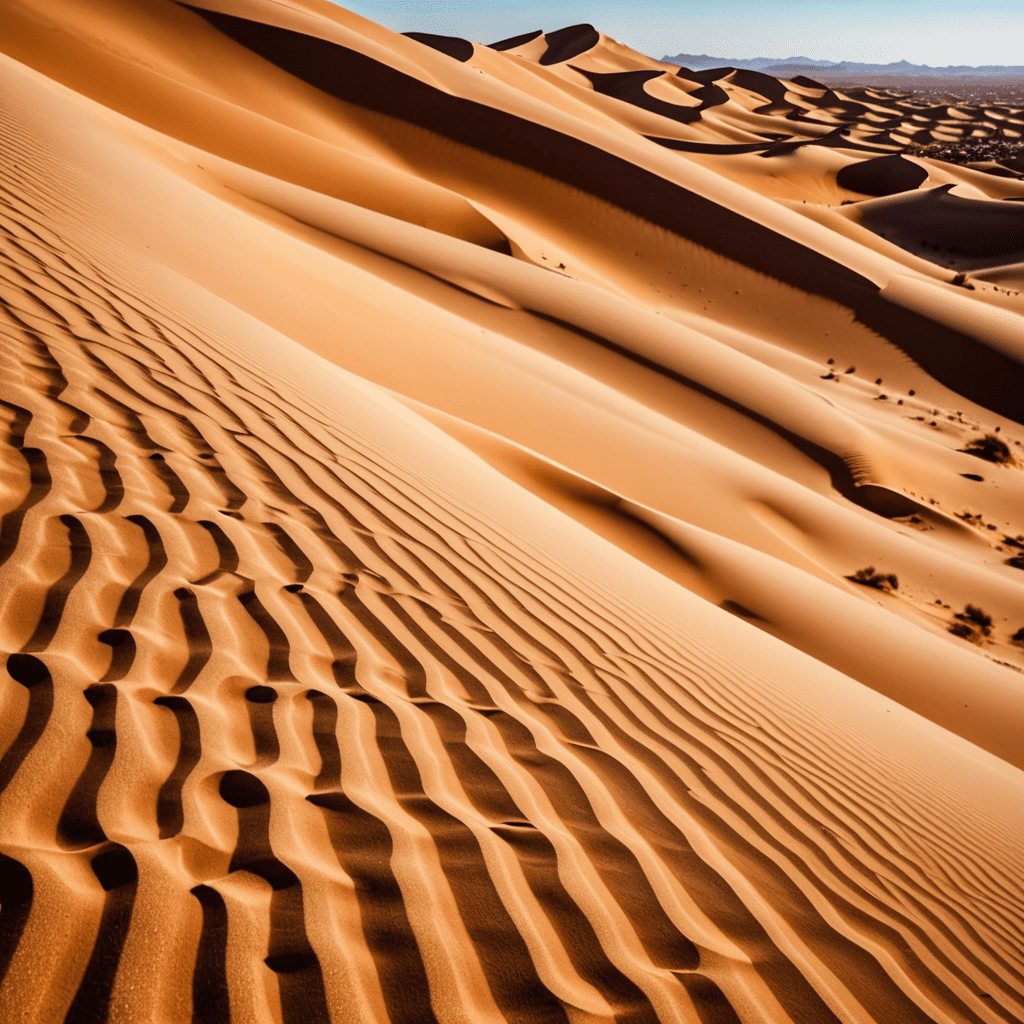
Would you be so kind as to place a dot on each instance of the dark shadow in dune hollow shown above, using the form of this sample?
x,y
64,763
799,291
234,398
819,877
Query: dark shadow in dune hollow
x,y
883,176
968,234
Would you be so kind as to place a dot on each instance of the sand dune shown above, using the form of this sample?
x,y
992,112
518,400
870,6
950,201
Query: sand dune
x,y
499,533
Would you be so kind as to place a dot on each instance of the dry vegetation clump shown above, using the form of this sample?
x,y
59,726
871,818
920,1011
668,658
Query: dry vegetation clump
x,y
975,150
870,578
1003,92
990,448
972,624
1018,637
1017,560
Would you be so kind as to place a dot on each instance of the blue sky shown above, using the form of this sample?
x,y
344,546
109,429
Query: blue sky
x,y
934,32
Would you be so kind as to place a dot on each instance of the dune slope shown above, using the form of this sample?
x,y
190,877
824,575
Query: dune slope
x,y
521,533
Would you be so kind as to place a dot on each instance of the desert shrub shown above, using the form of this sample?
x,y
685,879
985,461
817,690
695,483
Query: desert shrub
x,y
962,629
974,620
1017,561
990,448
870,578
976,615
1018,637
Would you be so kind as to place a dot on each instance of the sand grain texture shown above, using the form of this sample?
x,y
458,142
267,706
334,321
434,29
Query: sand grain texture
x,y
439,485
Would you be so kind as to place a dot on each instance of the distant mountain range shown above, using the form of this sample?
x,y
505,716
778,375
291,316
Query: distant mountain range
x,y
800,65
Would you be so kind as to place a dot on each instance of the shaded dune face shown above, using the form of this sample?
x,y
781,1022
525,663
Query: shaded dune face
x,y
968,233
569,42
882,176
578,579
459,49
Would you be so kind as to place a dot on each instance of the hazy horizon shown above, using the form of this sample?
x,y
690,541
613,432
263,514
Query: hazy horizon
x,y
935,32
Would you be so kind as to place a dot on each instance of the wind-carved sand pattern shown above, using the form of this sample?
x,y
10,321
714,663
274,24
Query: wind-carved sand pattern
x,y
460,570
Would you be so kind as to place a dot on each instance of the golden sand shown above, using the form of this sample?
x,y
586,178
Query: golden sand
x,y
524,534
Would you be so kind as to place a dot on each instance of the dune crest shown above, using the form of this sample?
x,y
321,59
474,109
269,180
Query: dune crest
x,y
499,533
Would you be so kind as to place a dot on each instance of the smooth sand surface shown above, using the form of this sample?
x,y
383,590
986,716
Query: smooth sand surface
x,y
521,533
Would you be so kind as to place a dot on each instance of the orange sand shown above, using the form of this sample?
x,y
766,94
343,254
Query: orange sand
x,y
434,484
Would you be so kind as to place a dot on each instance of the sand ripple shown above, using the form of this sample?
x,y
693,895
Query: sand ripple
x,y
359,578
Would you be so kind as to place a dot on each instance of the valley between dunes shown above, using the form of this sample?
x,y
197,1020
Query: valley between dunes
x,y
518,533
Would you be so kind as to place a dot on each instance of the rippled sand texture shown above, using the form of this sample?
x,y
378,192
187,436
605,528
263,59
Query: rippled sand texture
x,y
436,533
